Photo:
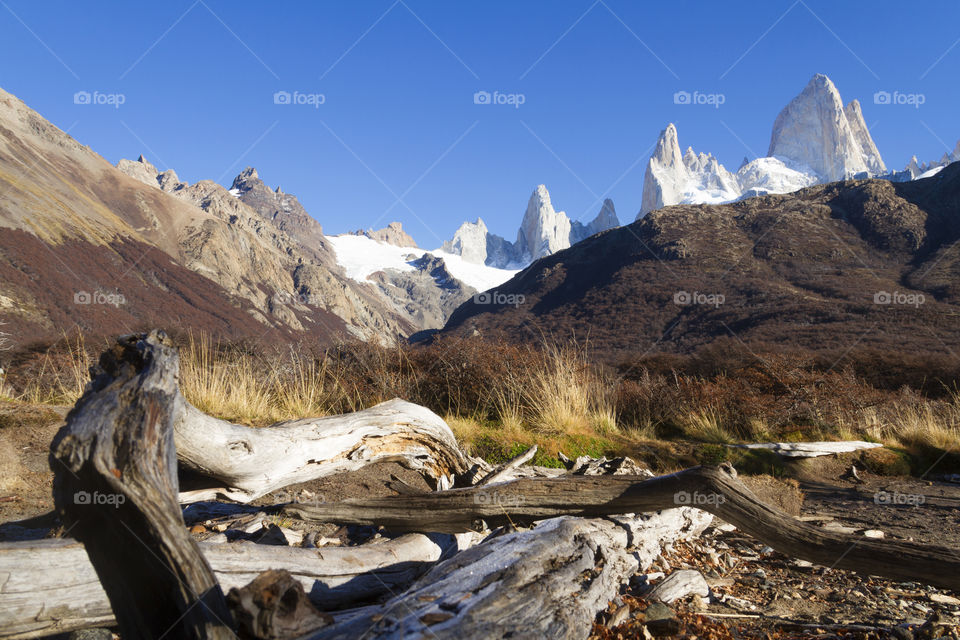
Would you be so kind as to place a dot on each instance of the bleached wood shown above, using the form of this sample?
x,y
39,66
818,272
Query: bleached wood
x,y
49,586
548,582
243,463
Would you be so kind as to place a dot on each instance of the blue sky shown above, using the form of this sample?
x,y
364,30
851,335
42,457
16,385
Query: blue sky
x,y
399,136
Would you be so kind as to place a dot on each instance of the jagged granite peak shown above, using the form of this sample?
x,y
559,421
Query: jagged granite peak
x,y
605,219
543,230
469,242
862,135
393,234
271,204
672,178
814,130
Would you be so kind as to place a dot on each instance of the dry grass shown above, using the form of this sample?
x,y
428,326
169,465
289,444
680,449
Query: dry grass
x,y
500,397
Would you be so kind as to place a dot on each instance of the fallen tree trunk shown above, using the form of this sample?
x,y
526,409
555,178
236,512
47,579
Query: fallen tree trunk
x,y
242,463
713,489
548,582
49,586
115,489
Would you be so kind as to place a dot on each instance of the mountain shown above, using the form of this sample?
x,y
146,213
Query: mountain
x,y
914,170
543,231
865,264
84,245
817,131
815,139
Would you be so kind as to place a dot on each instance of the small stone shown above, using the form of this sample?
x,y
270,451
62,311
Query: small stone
x,y
873,533
943,598
660,620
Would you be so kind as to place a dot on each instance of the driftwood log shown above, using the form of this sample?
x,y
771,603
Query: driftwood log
x,y
240,463
49,586
115,488
548,582
713,489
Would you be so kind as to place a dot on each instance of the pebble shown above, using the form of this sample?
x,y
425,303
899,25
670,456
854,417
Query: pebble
x,y
873,533
942,598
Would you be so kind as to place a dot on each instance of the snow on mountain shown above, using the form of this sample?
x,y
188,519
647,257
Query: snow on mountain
x,y
361,257
773,175
543,231
672,178
815,139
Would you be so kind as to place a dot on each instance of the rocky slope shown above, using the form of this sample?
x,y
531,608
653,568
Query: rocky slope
x,y
543,231
865,264
109,250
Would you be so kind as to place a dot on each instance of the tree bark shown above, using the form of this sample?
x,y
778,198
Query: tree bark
x,y
115,488
713,489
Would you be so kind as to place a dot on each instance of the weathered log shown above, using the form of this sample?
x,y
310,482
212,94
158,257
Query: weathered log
x,y
241,463
274,607
548,582
49,586
504,471
713,489
115,488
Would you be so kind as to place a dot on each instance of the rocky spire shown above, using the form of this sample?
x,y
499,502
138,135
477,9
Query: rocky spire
x,y
815,131
871,156
666,172
543,230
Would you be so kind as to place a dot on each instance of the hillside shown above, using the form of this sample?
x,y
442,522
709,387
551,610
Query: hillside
x,y
856,264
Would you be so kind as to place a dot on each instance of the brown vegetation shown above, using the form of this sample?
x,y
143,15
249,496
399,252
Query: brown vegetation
x,y
501,397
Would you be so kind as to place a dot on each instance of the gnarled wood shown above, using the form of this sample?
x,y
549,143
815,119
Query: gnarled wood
x,y
241,463
548,582
115,488
713,489
49,586
274,607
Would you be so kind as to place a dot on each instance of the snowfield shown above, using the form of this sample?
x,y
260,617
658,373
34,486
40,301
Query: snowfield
x,y
361,256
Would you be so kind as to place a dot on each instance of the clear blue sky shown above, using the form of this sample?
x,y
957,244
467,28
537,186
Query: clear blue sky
x,y
398,78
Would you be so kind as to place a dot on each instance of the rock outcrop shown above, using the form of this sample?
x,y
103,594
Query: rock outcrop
x,y
393,234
